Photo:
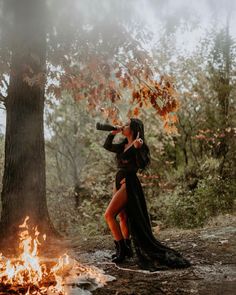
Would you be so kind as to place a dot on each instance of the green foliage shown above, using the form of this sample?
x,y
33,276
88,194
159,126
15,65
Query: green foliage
x,y
188,208
211,198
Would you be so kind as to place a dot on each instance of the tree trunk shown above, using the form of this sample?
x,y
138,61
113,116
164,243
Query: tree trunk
x,y
24,183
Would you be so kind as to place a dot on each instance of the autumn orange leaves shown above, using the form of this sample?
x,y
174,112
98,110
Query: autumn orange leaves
x,y
106,87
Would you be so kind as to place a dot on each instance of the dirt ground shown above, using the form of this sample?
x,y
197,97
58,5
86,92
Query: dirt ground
x,y
212,252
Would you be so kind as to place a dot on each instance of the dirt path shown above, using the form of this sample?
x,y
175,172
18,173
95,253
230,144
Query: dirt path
x,y
212,252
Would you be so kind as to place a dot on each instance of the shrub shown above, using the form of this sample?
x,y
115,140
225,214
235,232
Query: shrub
x,y
189,209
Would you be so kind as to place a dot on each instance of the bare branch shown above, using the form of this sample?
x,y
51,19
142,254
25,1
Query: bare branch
x,y
5,82
2,102
136,76
2,98
50,146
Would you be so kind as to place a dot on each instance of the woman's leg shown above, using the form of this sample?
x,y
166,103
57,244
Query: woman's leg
x,y
123,224
123,219
116,205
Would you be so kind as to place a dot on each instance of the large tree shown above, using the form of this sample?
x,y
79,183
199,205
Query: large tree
x,y
23,191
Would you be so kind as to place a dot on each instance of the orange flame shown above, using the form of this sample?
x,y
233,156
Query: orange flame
x,y
30,273
27,269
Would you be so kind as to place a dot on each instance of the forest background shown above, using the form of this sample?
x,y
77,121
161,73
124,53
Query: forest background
x,y
191,46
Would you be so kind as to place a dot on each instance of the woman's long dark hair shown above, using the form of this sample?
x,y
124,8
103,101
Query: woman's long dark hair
x,y
136,126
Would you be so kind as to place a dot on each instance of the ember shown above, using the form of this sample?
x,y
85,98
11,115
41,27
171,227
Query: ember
x,y
29,274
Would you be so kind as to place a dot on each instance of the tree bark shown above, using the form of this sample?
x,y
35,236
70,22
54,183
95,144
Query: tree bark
x,y
24,184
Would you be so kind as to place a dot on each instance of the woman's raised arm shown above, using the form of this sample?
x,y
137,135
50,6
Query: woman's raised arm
x,y
112,147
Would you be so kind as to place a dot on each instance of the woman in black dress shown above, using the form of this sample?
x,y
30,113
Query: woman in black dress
x,y
128,202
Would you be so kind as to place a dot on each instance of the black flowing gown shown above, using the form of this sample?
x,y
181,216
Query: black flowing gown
x,y
151,253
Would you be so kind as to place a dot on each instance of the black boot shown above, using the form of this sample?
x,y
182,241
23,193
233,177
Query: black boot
x,y
116,247
128,249
121,252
